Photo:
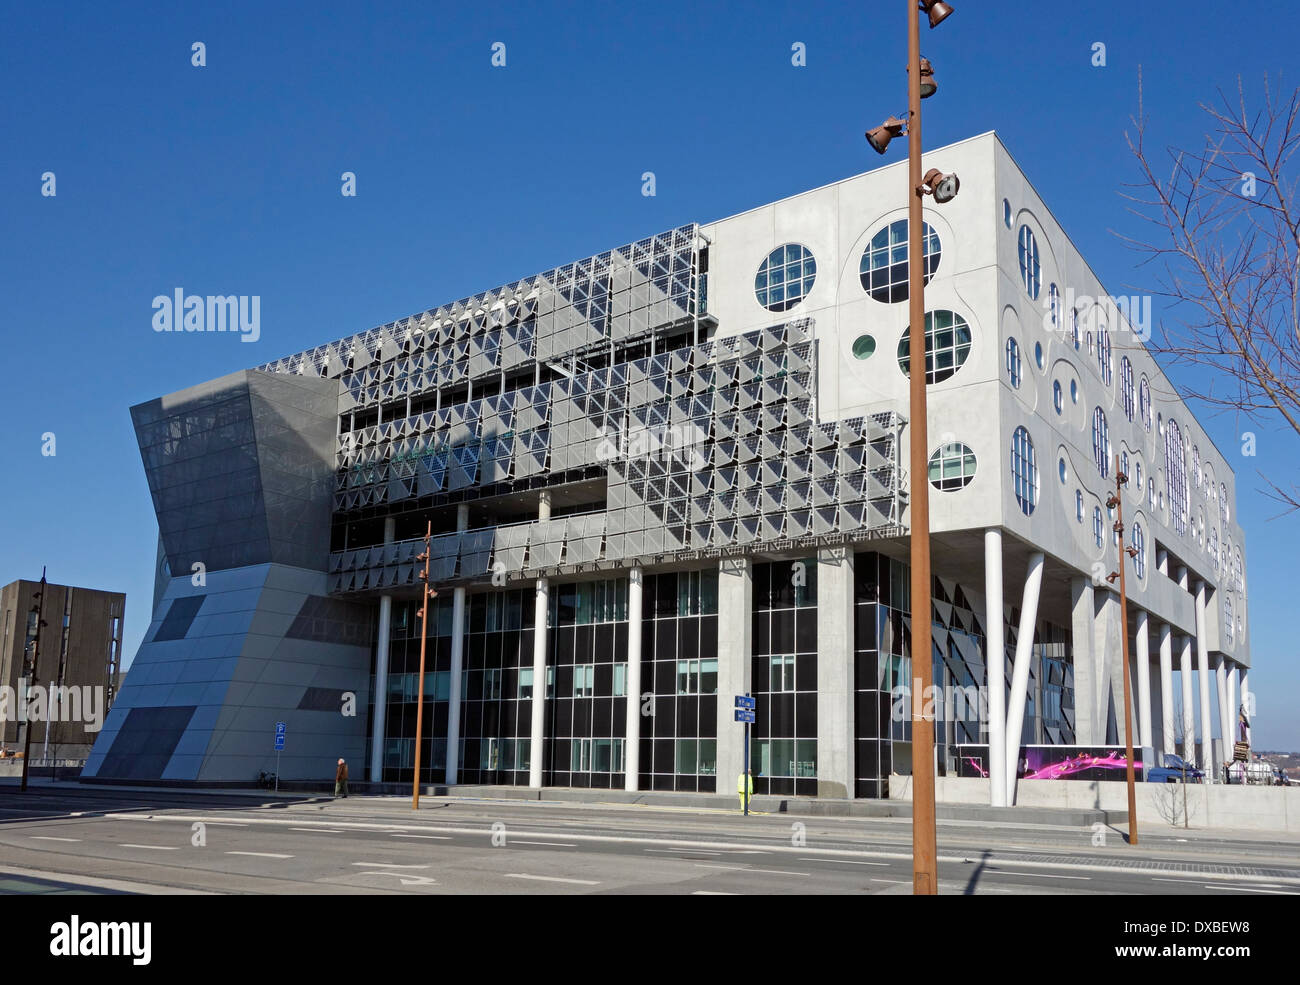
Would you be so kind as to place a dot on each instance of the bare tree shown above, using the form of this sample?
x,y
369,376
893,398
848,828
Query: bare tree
x,y
1226,245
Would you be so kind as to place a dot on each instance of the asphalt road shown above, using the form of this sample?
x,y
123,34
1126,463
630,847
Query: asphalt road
x,y
58,839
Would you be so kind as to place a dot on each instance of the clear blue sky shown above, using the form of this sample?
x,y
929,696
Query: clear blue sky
x,y
225,179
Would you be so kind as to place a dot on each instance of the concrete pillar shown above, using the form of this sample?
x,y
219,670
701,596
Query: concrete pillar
x,y
632,740
457,663
835,732
1087,688
995,662
540,611
735,662
1247,702
381,672
1189,702
1166,689
1143,656
1234,732
1020,668
1203,674
1225,721
1109,662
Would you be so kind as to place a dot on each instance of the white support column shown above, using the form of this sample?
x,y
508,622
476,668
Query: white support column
x,y
1108,659
457,663
1083,613
995,662
1234,733
1166,689
1143,656
380,696
541,610
1020,669
1247,701
1203,667
1225,721
835,731
1189,702
632,740
735,663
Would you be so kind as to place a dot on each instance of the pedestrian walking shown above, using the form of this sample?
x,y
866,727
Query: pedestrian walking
x,y
745,789
341,780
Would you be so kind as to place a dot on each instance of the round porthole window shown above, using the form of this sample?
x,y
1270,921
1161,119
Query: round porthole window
x,y
785,278
883,270
864,346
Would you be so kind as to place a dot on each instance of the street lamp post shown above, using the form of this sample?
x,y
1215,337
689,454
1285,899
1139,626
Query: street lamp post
x,y
920,85
426,593
1116,501
924,852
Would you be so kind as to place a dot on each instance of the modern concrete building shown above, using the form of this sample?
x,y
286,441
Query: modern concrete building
x,y
81,656
673,473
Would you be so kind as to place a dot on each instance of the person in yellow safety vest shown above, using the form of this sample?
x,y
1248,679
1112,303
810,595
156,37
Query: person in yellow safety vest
x,y
741,787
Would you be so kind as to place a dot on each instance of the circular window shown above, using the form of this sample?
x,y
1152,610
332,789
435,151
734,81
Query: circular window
x,y
1078,505
1061,470
1031,271
1006,212
863,346
884,261
1058,398
1024,470
952,466
947,344
785,278
1038,354
1074,391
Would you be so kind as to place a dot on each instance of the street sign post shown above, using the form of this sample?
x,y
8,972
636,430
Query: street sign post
x,y
280,730
745,713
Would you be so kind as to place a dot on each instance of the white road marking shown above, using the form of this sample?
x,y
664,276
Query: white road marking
x,y
391,865
576,882
431,837
897,882
261,854
710,892
52,838
844,861
226,824
1036,875
1251,889
156,848
323,831
548,844
745,868
681,851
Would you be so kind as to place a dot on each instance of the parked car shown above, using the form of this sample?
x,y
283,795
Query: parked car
x,y
1174,770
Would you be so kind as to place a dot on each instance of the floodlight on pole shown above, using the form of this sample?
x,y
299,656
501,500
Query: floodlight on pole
x,y
880,137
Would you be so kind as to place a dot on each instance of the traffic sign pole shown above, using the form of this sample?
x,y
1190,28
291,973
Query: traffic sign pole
x,y
745,779
280,730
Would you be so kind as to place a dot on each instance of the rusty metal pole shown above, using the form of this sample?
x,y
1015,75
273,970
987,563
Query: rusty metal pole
x,y
924,855
426,593
1120,480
